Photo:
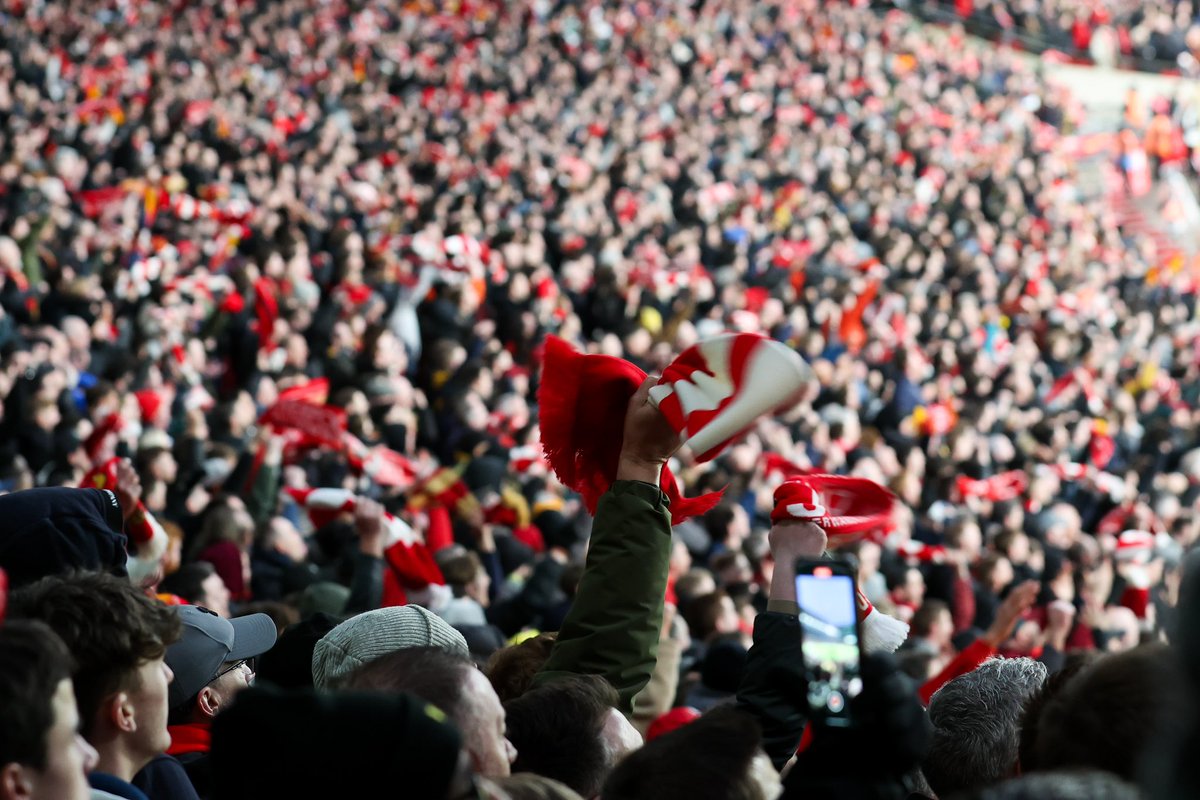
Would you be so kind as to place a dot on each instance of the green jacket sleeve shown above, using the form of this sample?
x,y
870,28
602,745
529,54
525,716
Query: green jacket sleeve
x,y
773,684
613,626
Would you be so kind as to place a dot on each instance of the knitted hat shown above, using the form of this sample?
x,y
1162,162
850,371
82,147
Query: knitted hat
x,y
712,393
344,744
368,636
838,504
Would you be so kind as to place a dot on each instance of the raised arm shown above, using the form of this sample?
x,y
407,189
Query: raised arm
x,y
613,626
775,665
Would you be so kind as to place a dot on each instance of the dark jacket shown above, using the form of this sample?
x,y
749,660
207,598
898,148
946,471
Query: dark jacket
x,y
55,530
164,778
775,663
613,627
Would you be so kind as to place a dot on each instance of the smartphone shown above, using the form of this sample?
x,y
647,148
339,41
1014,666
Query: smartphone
x,y
830,644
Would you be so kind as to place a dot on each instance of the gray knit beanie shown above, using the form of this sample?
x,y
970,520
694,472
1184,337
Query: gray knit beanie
x,y
372,634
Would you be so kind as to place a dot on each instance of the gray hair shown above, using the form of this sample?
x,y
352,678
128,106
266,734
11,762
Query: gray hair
x,y
977,724
1085,785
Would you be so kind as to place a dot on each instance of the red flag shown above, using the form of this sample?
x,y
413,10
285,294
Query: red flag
x,y
324,424
1005,486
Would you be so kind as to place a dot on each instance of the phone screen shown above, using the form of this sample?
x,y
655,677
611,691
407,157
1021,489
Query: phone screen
x,y
829,624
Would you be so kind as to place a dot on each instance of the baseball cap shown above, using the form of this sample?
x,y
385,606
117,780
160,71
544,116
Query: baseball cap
x,y
209,641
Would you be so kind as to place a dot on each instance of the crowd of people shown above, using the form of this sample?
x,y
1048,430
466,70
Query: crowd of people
x,y
277,282
1159,36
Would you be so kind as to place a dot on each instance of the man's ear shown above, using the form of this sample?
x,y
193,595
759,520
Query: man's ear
x,y
121,713
16,783
208,702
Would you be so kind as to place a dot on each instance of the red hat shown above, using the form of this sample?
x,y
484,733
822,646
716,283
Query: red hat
x,y
672,720
839,504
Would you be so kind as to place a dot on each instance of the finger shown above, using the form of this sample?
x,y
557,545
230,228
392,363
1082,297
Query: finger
x,y
642,394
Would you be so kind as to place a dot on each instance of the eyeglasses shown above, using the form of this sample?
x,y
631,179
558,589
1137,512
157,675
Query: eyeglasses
x,y
245,662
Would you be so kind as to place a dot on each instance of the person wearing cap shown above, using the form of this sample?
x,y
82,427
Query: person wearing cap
x,y
211,662
118,638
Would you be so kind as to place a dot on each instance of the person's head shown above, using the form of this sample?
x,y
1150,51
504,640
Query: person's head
x,y
995,572
199,584
932,621
696,582
977,724
452,683
212,661
466,576
42,754
511,669
225,521
1064,785
718,755
279,535
301,743
571,731
1013,544
964,535
118,638
370,635
1104,716
907,586
711,615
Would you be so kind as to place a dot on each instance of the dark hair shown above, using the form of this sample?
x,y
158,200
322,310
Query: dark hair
x,y
1105,716
707,758
717,522
461,570
556,730
283,615
923,619
109,627
188,582
511,669
33,661
689,582
702,613
1026,750
430,673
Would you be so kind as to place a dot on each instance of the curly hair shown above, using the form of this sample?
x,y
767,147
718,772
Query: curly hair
x,y
109,627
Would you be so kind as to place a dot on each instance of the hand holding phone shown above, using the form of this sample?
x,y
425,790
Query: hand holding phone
x,y
825,594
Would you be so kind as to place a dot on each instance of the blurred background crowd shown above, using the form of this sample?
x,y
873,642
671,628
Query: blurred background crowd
x,y
261,248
